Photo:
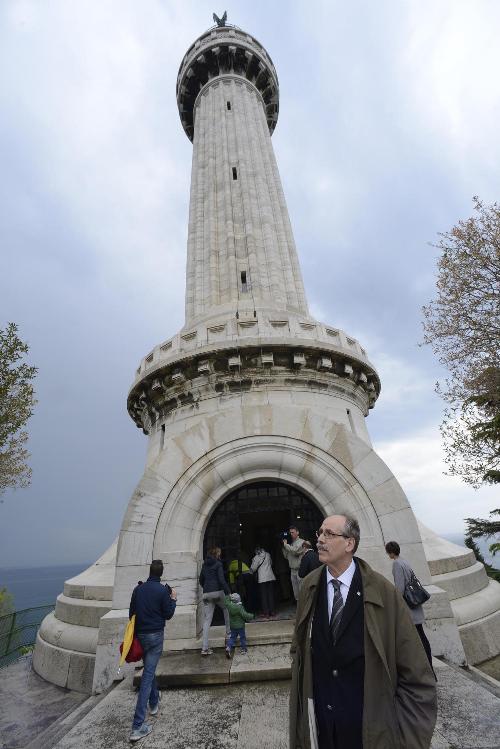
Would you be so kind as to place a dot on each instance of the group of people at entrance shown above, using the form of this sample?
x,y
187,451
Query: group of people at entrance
x,y
244,580
217,592
362,674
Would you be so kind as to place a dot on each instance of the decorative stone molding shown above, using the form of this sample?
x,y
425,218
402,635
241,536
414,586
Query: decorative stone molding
x,y
220,52
221,372
226,329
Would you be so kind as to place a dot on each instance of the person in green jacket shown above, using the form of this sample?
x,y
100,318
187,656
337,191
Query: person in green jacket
x,y
237,618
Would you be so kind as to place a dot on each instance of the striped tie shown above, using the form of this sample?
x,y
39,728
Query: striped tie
x,y
337,608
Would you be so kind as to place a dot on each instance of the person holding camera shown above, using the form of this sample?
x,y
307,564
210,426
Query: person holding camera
x,y
293,554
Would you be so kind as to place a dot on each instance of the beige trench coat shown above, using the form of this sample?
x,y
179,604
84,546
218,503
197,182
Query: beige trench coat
x,y
399,691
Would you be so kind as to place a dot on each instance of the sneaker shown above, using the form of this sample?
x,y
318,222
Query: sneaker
x,y
229,652
139,733
209,651
154,710
243,651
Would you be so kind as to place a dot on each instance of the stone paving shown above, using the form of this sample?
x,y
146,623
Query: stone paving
x,y
29,704
238,716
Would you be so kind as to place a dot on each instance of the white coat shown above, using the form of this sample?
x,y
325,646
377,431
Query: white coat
x,y
261,563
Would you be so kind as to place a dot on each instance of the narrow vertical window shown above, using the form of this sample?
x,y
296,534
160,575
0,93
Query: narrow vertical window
x,y
351,421
235,173
228,104
244,286
162,437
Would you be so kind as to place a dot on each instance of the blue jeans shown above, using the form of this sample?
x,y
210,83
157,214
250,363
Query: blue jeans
x,y
152,644
234,636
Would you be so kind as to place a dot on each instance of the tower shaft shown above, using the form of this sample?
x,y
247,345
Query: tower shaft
x,y
241,252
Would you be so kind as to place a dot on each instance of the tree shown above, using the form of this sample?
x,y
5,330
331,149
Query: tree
x,y
490,570
478,527
17,401
462,324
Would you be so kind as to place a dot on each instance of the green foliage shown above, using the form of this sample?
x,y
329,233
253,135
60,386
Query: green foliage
x,y
490,570
6,602
479,528
17,401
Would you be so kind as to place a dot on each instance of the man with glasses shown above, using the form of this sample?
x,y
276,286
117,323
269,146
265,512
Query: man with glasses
x,y
360,676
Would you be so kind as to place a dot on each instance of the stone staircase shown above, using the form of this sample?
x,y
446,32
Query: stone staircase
x,y
268,658
474,597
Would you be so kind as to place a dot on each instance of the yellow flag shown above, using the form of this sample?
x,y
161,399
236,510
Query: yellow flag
x,y
127,639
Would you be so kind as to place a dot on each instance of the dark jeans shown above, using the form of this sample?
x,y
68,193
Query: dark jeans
x,y
266,591
231,643
152,644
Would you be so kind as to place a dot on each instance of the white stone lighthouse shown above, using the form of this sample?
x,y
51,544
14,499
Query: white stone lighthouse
x,y
255,412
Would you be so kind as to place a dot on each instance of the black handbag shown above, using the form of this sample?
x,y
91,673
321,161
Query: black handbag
x,y
414,593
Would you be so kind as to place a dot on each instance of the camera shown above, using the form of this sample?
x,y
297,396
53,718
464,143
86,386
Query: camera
x,y
283,536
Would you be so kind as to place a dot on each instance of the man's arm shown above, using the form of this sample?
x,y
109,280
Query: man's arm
x,y
416,706
169,602
132,607
291,550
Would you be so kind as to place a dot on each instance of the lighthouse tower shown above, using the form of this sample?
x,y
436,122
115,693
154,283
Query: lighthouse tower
x,y
255,412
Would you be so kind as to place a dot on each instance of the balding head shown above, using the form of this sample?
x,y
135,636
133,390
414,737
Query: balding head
x,y
338,540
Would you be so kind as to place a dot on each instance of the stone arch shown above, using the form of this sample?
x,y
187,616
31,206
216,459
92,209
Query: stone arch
x,y
317,474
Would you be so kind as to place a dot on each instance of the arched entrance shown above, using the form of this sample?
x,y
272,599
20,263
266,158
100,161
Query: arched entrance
x,y
261,513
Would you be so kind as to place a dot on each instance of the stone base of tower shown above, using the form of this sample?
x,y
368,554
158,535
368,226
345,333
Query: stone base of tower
x,y
474,597
66,644
297,439
193,466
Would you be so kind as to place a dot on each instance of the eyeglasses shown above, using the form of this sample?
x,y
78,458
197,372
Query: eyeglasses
x,y
329,534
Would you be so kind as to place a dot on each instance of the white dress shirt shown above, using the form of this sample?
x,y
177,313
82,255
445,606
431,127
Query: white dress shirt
x,y
345,581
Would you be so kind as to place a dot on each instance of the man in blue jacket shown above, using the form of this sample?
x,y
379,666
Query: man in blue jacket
x,y
152,603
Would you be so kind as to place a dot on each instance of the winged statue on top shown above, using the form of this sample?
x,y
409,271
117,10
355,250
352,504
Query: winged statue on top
x,y
220,21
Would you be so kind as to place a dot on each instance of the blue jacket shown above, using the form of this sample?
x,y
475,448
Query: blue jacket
x,y
152,605
212,576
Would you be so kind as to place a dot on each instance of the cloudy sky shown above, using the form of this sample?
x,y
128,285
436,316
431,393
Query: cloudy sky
x,y
389,116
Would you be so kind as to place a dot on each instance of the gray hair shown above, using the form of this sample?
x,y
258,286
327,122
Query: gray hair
x,y
351,530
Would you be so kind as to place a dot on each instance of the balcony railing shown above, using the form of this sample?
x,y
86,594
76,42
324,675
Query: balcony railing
x,y
18,632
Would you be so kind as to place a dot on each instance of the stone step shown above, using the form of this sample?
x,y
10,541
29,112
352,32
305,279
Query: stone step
x,y
258,632
188,668
464,582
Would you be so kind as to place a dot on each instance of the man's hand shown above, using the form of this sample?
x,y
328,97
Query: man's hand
x,y
284,541
173,594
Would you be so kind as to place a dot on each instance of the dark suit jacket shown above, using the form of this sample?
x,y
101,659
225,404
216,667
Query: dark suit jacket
x,y
338,670
308,563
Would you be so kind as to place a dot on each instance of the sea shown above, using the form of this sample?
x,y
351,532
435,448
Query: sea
x,y
37,586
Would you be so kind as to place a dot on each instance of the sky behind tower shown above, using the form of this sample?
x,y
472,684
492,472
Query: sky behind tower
x,y
388,126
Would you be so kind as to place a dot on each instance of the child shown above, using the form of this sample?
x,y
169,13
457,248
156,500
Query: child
x,y
237,618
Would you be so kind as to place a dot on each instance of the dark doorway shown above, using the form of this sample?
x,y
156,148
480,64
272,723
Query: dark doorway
x,y
259,514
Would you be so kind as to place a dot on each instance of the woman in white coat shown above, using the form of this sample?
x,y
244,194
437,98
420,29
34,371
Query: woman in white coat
x,y
262,566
